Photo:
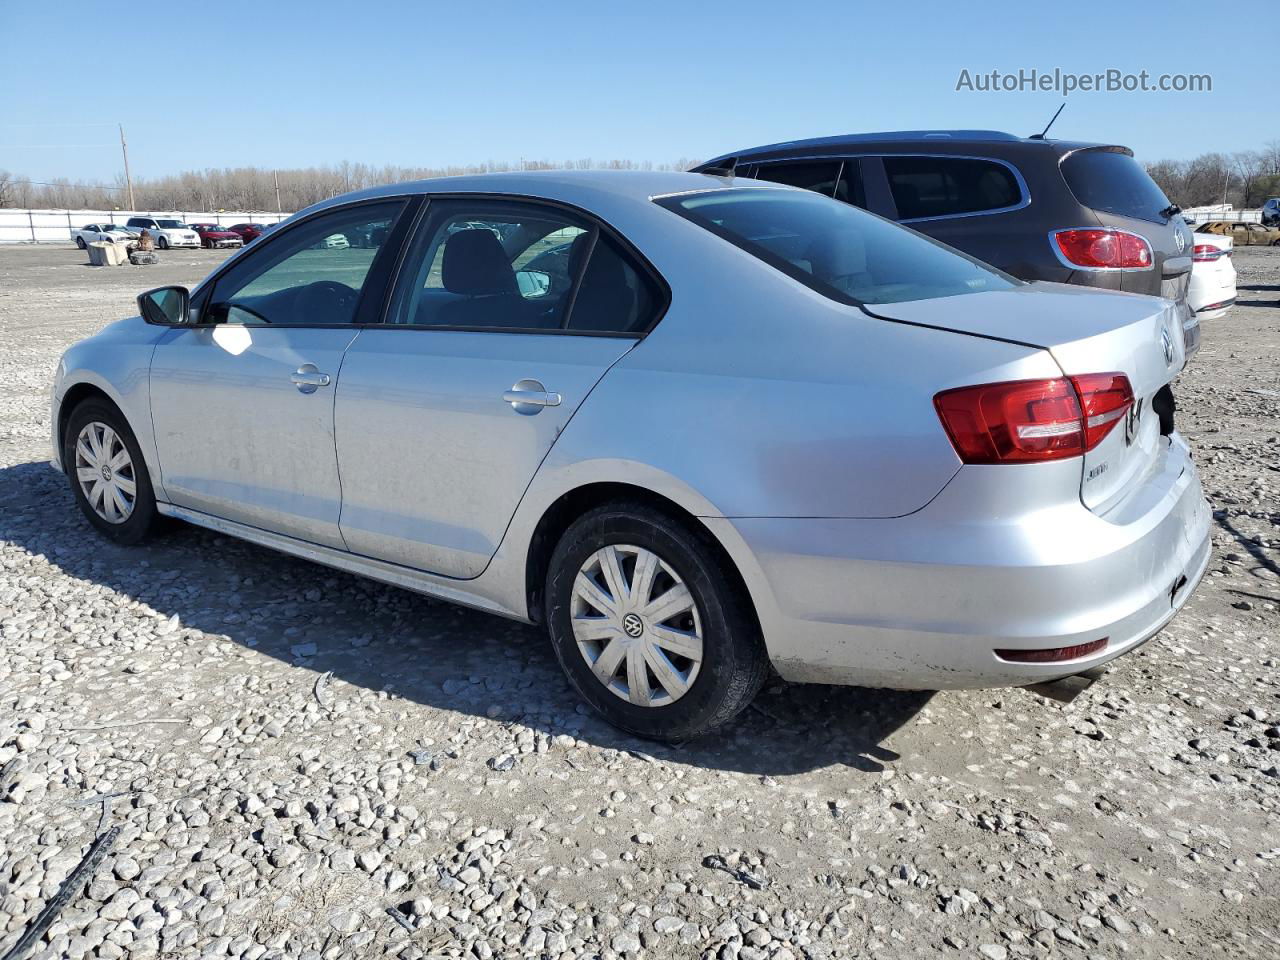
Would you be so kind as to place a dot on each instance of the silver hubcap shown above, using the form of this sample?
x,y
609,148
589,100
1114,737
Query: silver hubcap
x,y
105,472
636,625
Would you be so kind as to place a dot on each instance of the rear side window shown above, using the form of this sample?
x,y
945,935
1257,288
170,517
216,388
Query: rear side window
x,y
1114,182
836,249
949,186
502,266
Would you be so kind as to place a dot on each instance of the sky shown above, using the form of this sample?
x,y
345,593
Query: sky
x,y
288,83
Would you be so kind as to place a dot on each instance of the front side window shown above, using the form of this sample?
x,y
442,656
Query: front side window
x,y
820,176
836,249
949,186
505,266
310,275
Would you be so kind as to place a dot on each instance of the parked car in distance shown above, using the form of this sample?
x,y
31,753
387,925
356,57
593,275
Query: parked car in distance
x,y
1242,234
337,241
101,232
248,231
167,233
757,428
1213,276
1271,212
212,235
1082,213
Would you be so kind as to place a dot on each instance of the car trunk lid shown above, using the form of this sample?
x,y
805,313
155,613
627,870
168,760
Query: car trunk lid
x,y
1087,331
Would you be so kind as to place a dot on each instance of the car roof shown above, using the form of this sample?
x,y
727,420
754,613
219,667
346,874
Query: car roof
x,y
570,186
931,140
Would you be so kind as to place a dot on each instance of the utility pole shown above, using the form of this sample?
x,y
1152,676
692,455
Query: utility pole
x,y
275,175
124,149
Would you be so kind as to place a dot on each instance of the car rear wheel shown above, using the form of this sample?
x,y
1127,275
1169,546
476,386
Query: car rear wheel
x,y
108,475
80,243
650,625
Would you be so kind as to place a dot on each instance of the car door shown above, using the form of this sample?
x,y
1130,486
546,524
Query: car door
x,y
505,317
242,401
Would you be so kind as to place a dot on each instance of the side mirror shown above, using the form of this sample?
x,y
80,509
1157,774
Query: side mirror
x,y
165,306
533,283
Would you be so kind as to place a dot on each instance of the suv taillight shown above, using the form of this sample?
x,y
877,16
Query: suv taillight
x,y
1028,421
1207,252
1096,248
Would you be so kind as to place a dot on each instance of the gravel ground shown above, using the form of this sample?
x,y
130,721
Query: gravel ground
x,y
301,763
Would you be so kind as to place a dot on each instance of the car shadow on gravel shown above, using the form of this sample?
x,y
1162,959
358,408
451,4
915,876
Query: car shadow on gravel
x,y
419,649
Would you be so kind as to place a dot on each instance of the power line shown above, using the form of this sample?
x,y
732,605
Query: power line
x,y
79,186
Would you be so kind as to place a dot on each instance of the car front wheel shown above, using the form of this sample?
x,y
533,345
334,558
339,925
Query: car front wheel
x,y
108,475
650,625
162,243
80,243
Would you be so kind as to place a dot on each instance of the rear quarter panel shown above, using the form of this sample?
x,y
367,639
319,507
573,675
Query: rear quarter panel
x,y
763,398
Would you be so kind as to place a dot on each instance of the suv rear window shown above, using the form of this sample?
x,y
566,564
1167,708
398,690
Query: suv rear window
x,y
838,250
1114,182
949,186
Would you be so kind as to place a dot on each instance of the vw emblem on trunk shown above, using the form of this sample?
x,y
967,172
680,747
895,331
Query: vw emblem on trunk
x,y
1167,341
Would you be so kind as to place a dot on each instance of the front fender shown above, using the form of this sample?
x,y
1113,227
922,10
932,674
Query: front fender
x,y
116,363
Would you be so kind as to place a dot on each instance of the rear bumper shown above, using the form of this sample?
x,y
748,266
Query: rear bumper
x,y
923,601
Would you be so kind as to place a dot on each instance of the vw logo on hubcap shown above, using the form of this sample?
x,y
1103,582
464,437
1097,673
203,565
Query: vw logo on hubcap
x,y
106,473
633,625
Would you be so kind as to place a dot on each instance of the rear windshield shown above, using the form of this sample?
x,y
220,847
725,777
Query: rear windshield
x,y
1114,183
840,251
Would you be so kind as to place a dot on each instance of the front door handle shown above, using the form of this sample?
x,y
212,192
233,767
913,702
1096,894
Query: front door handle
x,y
529,397
307,378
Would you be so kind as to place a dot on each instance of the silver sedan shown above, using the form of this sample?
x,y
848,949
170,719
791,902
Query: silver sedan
x,y
700,428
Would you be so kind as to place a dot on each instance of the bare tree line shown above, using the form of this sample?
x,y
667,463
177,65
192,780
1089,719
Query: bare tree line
x,y
254,188
1244,179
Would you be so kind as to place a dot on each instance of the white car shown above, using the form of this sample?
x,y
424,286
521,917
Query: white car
x,y
1213,276
101,233
337,241
167,233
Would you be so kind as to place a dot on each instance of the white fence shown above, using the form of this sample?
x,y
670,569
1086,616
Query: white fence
x,y
55,226
1223,212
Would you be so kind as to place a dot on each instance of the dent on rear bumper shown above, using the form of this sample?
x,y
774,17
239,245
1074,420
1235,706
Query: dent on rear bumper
x,y
922,602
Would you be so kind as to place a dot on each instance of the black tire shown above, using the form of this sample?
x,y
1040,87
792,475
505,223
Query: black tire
x,y
143,519
80,243
734,663
162,244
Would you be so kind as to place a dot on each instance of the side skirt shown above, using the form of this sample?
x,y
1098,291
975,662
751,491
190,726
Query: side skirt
x,y
398,576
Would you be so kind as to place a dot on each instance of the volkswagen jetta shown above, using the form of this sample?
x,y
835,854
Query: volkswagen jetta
x,y
697,426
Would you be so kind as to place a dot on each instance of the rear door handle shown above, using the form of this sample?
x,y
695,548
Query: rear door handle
x,y
307,378
530,396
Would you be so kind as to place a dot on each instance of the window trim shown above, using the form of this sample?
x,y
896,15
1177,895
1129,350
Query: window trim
x,y
203,293
662,290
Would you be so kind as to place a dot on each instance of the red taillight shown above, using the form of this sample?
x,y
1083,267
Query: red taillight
x,y
1103,249
1206,251
1106,398
1027,421
1053,654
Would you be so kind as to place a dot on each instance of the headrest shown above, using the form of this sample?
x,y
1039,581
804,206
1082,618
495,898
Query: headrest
x,y
476,265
